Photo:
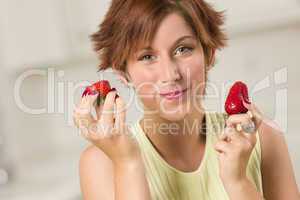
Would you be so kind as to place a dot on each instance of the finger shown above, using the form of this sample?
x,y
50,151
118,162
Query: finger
x,y
242,140
120,114
242,135
235,119
82,113
238,133
98,111
98,108
82,123
82,107
249,128
239,138
85,105
257,115
232,134
251,137
99,104
92,99
107,114
88,130
226,133
242,122
223,136
222,146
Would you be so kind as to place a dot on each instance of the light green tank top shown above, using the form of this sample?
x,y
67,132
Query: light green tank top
x,y
168,183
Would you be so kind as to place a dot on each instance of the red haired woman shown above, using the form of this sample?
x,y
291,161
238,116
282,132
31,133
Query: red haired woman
x,y
164,49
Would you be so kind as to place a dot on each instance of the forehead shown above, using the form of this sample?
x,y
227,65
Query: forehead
x,y
170,29
172,26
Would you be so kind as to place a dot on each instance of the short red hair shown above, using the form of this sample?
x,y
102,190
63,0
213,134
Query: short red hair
x,y
129,24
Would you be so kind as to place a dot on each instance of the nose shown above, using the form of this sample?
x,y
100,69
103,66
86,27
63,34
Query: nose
x,y
171,72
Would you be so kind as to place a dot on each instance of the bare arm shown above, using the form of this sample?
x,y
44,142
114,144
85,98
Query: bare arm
x,y
244,190
131,183
277,171
99,179
112,168
96,175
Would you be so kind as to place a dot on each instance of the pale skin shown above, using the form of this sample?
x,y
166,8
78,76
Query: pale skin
x,y
112,163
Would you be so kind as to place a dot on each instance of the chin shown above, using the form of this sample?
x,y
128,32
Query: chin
x,y
173,118
175,114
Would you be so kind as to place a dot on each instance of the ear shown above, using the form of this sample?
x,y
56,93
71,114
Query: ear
x,y
122,76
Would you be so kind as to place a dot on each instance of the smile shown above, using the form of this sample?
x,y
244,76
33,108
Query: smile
x,y
175,95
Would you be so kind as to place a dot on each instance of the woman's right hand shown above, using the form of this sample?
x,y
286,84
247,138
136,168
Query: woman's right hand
x,y
108,131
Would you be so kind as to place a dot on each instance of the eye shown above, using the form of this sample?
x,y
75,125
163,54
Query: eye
x,y
183,49
145,58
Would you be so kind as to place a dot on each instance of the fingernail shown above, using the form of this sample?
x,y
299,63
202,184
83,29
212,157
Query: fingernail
x,y
246,104
239,127
84,93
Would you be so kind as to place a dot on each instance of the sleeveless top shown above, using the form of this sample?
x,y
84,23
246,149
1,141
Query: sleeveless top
x,y
168,183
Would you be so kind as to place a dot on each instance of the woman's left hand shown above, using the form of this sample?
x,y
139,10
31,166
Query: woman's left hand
x,y
234,146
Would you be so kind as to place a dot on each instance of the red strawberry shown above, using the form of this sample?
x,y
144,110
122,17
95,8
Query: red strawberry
x,y
234,102
88,91
102,87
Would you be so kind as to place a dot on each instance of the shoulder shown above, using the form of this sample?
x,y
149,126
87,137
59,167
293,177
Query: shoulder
x,y
276,163
93,157
93,153
96,173
272,141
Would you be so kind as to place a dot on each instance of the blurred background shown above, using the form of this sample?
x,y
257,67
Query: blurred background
x,y
46,59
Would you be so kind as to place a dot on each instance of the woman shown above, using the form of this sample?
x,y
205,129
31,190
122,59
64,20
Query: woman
x,y
159,46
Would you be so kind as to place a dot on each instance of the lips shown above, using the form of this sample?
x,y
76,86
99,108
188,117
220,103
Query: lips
x,y
172,93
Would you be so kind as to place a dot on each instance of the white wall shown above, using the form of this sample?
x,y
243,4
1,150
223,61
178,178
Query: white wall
x,y
40,152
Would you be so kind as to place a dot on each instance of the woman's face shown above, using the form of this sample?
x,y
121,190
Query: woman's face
x,y
174,61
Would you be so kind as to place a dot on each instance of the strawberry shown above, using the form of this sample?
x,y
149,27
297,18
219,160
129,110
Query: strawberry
x,y
88,91
102,87
234,102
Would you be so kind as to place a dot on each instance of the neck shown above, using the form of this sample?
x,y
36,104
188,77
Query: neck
x,y
178,138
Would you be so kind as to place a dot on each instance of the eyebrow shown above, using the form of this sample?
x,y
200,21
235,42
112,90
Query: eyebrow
x,y
176,42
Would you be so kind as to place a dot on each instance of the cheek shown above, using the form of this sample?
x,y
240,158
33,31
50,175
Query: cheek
x,y
194,73
145,85
194,70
